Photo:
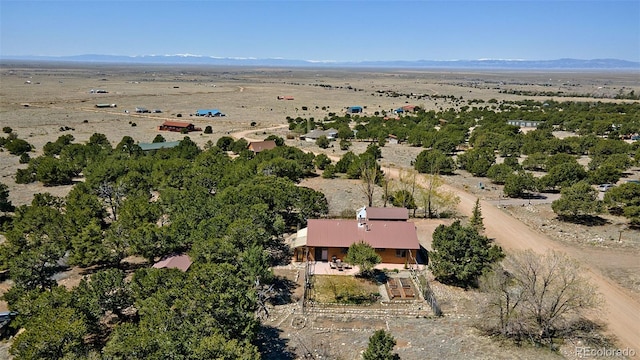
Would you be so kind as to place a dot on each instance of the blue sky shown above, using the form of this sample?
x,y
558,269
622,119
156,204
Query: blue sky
x,y
325,30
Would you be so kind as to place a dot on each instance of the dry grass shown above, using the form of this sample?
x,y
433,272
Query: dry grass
x,y
343,289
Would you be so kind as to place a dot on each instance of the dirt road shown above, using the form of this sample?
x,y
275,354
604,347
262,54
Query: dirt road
x,y
621,313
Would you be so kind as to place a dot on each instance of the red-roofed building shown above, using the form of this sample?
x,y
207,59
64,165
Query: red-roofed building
x,y
383,213
257,146
181,262
178,126
395,241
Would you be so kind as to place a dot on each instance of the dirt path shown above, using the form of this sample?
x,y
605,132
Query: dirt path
x,y
244,133
622,311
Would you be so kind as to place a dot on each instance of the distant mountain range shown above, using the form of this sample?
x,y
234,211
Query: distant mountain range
x,y
186,59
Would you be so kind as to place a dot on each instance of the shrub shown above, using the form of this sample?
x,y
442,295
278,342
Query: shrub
x,y
208,130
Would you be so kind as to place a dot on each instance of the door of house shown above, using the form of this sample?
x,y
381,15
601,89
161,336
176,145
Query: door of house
x,y
322,254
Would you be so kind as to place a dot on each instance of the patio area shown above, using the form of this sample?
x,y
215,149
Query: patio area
x,y
326,268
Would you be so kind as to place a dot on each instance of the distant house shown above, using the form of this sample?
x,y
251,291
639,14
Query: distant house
x,y
258,146
524,123
392,139
141,110
314,134
178,126
285,97
386,229
409,108
354,110
180,262
158,145
106,105
209,112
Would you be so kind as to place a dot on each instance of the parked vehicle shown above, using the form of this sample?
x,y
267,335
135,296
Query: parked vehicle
x,y
604,187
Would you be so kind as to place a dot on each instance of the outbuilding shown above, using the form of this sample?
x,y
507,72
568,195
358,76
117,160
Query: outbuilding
x,y
178,126
209,112
354,110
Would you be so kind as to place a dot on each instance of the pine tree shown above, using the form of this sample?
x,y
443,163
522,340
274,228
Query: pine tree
x,y
380,347
476,218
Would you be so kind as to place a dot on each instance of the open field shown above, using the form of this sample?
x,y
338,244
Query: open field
x,y
37,100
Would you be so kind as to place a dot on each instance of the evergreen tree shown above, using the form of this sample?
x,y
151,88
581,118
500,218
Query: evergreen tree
x,y
380,347
476,218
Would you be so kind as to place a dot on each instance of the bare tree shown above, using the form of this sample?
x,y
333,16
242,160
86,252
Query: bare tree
x,y
369,175
434,200
407,185
537,297
112,195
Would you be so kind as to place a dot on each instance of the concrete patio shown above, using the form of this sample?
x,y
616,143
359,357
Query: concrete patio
x,y
325,268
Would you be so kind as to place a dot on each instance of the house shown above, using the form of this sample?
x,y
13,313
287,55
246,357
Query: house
x,y
178,126
209,112
409,108
158,145
386,229
285,97
141,110
354,110
180,262
392,139
314,134
258,146
106,105
395,241
524,123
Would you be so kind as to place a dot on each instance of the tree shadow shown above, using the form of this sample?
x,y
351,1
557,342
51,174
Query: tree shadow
x,y
587,220
272,346
379,276
588,332
284,289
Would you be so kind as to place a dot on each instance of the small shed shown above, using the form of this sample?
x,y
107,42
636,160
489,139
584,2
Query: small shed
x,y
354,110
178,126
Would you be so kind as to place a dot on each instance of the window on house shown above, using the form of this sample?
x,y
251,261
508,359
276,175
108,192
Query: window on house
x,y
380,249
401,253
344,250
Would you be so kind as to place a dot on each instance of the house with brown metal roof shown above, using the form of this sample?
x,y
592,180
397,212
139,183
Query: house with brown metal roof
x,y
178,126
180,262
395,241
258,146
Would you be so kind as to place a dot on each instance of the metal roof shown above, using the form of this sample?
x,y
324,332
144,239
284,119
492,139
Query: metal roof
x,y
378,234
178,124
158,145
181,262
387,213
209,111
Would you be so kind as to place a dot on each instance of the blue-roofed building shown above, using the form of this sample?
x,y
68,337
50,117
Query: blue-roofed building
x,y
354,110
209,112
